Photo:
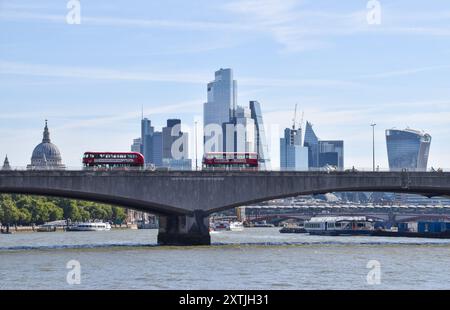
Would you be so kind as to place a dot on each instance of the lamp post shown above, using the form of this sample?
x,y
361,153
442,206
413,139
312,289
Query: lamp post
x,y
373,145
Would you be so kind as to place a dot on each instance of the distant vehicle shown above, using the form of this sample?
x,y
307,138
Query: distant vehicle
x,y
230,161
89,226
111,160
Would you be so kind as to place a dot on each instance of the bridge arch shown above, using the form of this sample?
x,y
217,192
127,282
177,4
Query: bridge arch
x,y
427,192
125,202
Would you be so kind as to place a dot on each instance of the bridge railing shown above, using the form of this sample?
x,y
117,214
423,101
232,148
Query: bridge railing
x,y
151,169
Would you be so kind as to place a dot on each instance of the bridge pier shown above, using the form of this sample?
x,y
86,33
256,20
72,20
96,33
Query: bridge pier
x,y
184,229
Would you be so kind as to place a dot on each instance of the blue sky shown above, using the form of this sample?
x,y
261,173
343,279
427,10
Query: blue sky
x,y
91,80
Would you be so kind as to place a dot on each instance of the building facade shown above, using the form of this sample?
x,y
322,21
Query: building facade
x,y
137,145
6,165
408,149
312,143
46,155
221,104
262,147
293,156
331,153
323,153
167,148
233,128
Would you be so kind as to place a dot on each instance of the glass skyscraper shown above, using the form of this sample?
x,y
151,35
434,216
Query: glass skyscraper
x,y
261,143
156,146
241,127
331,153
312,143
222,99
408,149
293,156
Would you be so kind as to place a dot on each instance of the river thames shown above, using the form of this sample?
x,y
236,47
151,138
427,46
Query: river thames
x,y
256,258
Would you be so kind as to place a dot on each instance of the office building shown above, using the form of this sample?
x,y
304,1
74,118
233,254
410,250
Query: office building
x,y
408,149
293,156
323,153
331,153
261,142
167,148
237,128
221,104
312,143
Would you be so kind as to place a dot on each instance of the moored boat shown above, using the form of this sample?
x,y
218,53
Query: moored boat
x,y
89,226
236,226
339,225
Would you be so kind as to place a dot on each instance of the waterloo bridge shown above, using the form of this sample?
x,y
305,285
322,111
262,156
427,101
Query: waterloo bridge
x,y
185,199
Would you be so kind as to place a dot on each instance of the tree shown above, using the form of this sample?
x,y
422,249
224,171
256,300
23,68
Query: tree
x,y
25,217
119,215
10,213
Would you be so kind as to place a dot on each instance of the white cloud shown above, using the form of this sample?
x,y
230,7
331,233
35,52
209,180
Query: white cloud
x,y
93,73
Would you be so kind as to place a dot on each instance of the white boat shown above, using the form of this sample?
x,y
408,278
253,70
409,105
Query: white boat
x,y
339,225
89,226
236,226
219,226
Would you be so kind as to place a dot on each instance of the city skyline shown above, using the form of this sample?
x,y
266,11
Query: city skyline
x,y
92,90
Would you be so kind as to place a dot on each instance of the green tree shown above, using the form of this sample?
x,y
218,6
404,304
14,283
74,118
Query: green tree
x,y
10,213
25,217
119,215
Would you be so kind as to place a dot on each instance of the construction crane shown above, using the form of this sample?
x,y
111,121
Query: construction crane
x,y
295,117
301,120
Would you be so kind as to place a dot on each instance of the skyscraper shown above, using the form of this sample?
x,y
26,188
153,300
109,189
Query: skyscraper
x,y
408,149
323,153
221,104
147,131
137,145
261,143
158,146
237,128
168,138
331,153
157,149
175,150
312,143
293,156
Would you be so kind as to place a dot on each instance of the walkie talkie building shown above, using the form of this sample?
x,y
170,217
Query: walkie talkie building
x,y
408,149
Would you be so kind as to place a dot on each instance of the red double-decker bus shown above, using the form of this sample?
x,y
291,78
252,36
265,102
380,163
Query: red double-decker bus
x,y
110,160
230,161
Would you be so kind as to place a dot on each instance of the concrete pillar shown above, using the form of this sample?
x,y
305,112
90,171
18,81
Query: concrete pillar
x,y
184,230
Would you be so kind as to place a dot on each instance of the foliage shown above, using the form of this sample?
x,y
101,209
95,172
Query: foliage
x,y
27,210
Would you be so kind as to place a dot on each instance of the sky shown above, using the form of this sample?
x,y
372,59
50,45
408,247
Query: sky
x,y
91,80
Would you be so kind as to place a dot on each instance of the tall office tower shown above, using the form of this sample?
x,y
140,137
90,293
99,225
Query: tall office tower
x,y
147,131
221,104
408,149
244,132
137,145
157,149
331,153
261,143
168,138
175,146
293,156
312,143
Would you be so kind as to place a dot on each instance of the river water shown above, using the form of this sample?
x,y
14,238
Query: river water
x,y
256,258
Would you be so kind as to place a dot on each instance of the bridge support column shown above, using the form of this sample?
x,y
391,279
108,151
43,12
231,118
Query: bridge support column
x,y
184,230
